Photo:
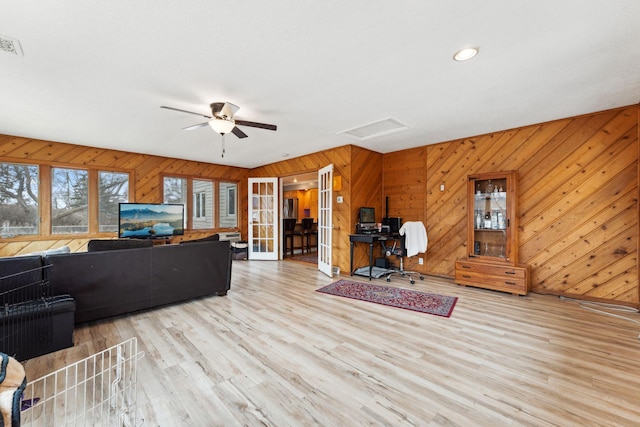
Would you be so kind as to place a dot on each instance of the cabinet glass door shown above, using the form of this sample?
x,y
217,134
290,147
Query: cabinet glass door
x,y
490,218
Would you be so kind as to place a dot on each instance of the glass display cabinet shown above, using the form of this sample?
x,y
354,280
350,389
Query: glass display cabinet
x,y
491,200
492,247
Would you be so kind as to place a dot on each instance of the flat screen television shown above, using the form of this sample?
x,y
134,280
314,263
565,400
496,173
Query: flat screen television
x,y
367,216
150,220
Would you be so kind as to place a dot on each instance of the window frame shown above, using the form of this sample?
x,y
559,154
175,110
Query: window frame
x,y
190,200
38,195
44,194
80,173
44,198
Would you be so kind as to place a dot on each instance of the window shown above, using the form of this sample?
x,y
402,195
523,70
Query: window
x,y
19,210
175,191
113,188
228,205
203,209
205,206
199,205
69,201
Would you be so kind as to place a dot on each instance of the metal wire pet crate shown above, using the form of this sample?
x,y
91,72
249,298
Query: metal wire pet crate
x,y
99,390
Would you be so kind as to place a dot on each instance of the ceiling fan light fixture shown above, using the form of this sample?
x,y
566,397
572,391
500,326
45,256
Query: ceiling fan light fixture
x,y
222,126
466,53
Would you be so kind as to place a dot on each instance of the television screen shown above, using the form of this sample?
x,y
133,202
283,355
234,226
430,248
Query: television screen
x,y
367,216
150,220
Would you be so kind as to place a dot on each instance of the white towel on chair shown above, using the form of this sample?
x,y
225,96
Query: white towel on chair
x,y
415,240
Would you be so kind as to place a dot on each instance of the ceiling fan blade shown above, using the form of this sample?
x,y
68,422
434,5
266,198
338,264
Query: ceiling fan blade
x,y
199,125
237,132
256,125
184,111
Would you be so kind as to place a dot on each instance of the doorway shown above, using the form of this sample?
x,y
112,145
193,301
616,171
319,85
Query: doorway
x,y
299,201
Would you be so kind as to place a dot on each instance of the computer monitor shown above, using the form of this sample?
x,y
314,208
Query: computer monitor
x,y
367,216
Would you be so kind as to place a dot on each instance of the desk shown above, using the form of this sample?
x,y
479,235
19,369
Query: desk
x,y
370,239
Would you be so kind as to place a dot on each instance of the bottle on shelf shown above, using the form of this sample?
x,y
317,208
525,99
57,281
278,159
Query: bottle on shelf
x,y
478,219
501,224
489,187
494,220
487,220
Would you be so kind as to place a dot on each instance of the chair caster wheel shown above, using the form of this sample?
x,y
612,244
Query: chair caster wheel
x,y
421,278
388,280
413,282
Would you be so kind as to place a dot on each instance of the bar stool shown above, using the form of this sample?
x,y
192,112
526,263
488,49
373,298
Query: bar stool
x,y
289,227
307,231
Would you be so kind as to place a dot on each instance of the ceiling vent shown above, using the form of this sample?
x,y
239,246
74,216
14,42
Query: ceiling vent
x,y
10,45
375,129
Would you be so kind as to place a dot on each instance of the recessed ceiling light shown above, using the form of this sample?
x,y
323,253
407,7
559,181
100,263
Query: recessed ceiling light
x,y
466,53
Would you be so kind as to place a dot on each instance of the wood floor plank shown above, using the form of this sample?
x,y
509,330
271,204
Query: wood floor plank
x,y
274,352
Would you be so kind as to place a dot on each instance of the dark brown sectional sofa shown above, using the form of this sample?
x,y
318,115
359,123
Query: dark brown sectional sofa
x,y
109,283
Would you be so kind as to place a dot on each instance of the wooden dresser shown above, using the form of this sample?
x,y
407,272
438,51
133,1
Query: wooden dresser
x,y
492,238
498,277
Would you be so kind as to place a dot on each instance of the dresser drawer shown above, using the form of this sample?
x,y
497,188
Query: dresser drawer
x,y
492,269
505,278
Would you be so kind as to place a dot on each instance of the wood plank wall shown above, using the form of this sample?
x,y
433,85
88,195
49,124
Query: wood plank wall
x,y
146,185
358,169
578,195
341,159
578,200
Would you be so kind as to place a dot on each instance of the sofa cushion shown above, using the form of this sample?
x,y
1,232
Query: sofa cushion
x,y
19,278
61,250
97,245
212,238
104,284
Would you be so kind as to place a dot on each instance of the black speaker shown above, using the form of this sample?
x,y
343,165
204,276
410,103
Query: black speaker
x,y
394,223
382,262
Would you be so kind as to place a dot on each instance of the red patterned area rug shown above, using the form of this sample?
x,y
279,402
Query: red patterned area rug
x,y
312,259
439,305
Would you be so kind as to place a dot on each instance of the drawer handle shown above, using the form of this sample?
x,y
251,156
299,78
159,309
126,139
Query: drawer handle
x,y
509,272
510,283
466,276
466,266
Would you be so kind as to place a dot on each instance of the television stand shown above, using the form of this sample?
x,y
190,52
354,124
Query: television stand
x,y
161,241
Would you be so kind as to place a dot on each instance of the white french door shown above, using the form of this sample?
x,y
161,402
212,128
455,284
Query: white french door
x,y
263,219
325,225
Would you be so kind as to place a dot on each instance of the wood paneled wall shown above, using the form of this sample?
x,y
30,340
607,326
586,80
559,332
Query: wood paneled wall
x,y
578,195
146,185
358,169
366,184
578,200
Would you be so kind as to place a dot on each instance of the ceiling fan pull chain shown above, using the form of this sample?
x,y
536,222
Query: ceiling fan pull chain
x,y
223,150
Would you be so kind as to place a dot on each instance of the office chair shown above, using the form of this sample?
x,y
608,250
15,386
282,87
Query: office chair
x,y
413,240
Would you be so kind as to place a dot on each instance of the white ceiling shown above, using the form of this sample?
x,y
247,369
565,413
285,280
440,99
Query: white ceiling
x,y
96,73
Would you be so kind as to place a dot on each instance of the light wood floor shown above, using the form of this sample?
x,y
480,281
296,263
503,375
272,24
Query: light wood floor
x,y
274,352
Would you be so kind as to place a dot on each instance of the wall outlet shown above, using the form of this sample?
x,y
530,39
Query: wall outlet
x,y
339,199
420,261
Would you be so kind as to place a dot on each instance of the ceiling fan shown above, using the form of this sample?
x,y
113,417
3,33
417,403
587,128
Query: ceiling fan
x,y
222,121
